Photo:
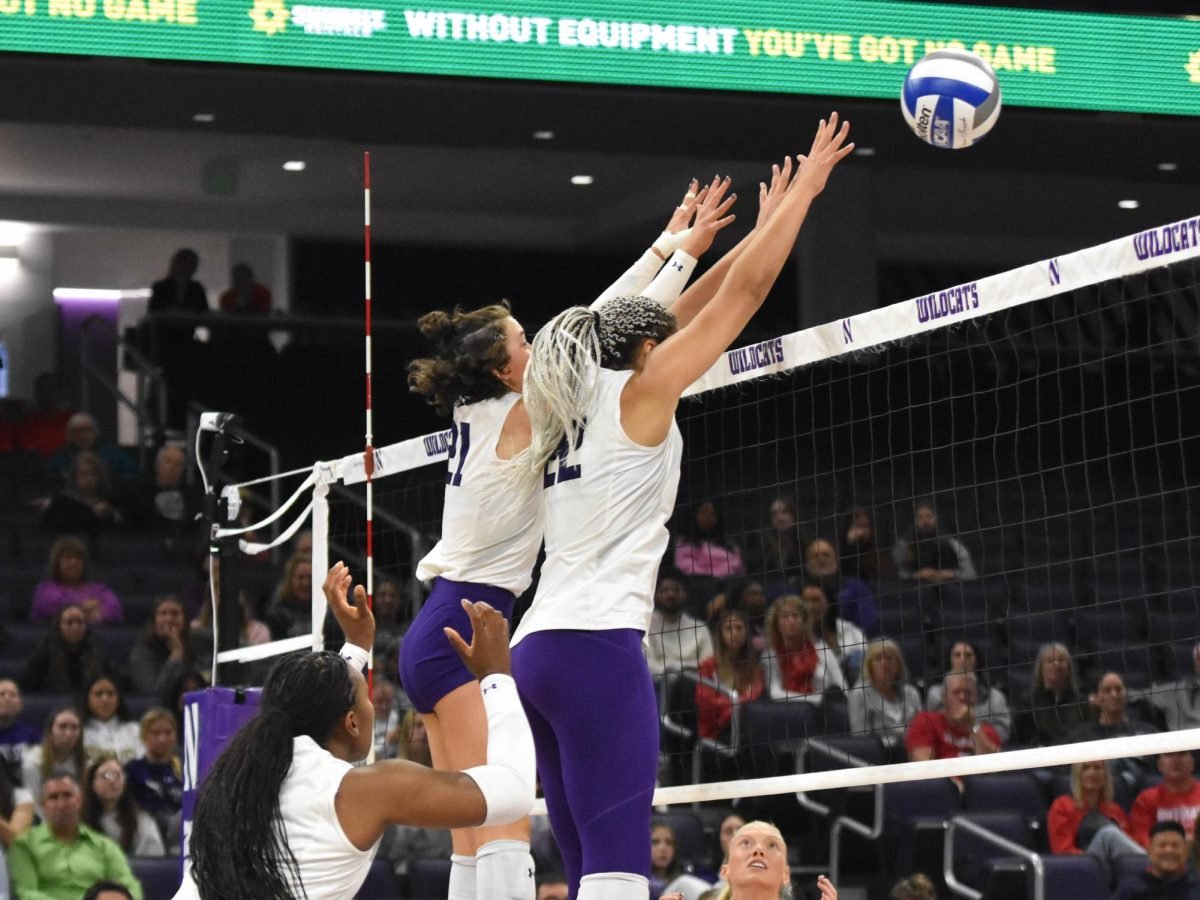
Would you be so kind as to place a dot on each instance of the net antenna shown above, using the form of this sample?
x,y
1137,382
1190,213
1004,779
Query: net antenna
x,y
369,449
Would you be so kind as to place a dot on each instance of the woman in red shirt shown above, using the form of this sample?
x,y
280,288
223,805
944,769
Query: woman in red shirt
x,y
734,667
1088,821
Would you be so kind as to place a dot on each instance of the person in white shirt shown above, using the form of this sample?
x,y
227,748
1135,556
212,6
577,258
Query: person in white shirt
x,y
107,726
675,642
601,391
283,813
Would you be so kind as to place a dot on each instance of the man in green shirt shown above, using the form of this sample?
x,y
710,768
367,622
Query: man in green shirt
x,y
61,858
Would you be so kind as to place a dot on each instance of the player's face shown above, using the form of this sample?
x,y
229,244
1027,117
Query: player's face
x,y
517,346
364,712
757,857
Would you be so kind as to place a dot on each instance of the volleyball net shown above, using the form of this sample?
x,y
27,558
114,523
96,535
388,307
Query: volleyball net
x,y
1008,464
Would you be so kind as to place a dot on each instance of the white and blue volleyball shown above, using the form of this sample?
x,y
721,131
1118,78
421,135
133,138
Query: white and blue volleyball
x,y
951,99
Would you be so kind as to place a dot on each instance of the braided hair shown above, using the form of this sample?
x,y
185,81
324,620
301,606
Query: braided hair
x,y
239,844
468,346
561,379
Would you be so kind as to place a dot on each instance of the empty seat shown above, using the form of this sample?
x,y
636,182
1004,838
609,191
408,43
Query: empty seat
x,y
428,879
973,853
1007,792
1074,878
160,876
381,883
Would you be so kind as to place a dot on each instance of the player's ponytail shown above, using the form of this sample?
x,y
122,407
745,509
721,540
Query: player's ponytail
x,y
560,381
239,844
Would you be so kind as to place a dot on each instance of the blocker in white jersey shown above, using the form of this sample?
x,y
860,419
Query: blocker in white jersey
x,y
605,522
481,542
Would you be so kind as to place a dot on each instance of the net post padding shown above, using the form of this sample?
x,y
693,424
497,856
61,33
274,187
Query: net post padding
x,y
1004,761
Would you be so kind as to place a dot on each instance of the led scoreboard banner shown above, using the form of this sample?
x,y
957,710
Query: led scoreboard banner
x,y
854,48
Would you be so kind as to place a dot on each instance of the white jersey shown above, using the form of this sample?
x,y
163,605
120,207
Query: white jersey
x,y
481,542
331,867
606,521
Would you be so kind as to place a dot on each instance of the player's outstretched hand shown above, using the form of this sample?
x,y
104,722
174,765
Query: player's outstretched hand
x,y
711,208
358,624
770,196
682,214
488,651
828,891
829,148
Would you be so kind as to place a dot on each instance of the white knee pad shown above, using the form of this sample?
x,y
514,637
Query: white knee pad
x,y
613,886
462,878
504,870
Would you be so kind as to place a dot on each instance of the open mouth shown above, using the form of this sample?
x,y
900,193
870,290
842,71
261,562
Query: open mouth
x,y
758,864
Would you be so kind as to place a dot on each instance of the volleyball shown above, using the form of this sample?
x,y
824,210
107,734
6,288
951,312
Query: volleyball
x,y
951,99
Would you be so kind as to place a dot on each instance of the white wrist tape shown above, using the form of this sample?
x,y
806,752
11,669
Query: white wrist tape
x,y
356,656
509,778
668,243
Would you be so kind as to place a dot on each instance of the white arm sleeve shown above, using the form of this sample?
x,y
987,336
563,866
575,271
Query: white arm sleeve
x,y
635,280
509,778
670,282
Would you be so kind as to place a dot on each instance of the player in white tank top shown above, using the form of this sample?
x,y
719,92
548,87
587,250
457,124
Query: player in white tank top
x,y
585,685
282,813
489,545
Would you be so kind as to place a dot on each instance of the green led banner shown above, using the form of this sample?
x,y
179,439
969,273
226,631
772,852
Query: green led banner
x,y
829,47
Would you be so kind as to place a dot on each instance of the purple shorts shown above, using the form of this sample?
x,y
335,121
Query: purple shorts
x,y
429,665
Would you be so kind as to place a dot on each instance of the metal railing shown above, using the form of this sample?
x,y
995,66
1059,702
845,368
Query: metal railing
x,y
150,387
842,823
988,836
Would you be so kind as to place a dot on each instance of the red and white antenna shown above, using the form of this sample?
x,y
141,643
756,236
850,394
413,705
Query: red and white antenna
x,y
369,451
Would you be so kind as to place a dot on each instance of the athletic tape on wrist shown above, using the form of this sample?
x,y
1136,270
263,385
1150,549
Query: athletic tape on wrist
x,y
668,243
355,655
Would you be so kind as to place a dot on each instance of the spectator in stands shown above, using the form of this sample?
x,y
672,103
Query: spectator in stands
x,y
954,732
388,626
83,436
1177,799
730,824
851,598
109,807
1178,700
107,725
403,844
964,656
915,887
675,641
1055,706
290,614
67,584
843,637
245,296
252,632
797,665
61,858
166,504
929,556
172,697
748,595
1168,877
884,702
165,648
552,886
701,547
734,667
16,810
68,657
667,872
387,717
156,780
84,504
172,345
41,429
780,551
61,749
15,735
108,890
1112,702
1088,821
858,546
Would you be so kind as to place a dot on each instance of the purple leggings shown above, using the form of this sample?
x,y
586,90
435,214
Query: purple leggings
x,y
591,706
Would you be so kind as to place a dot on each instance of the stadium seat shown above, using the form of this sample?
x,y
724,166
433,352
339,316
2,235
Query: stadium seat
x,y
1008,792
1074,877
1111,623
692,846
381,883
428,879
160,876
972,853
915,814
38,707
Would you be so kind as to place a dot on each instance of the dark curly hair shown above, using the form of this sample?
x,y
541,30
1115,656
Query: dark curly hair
x,y
468,346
